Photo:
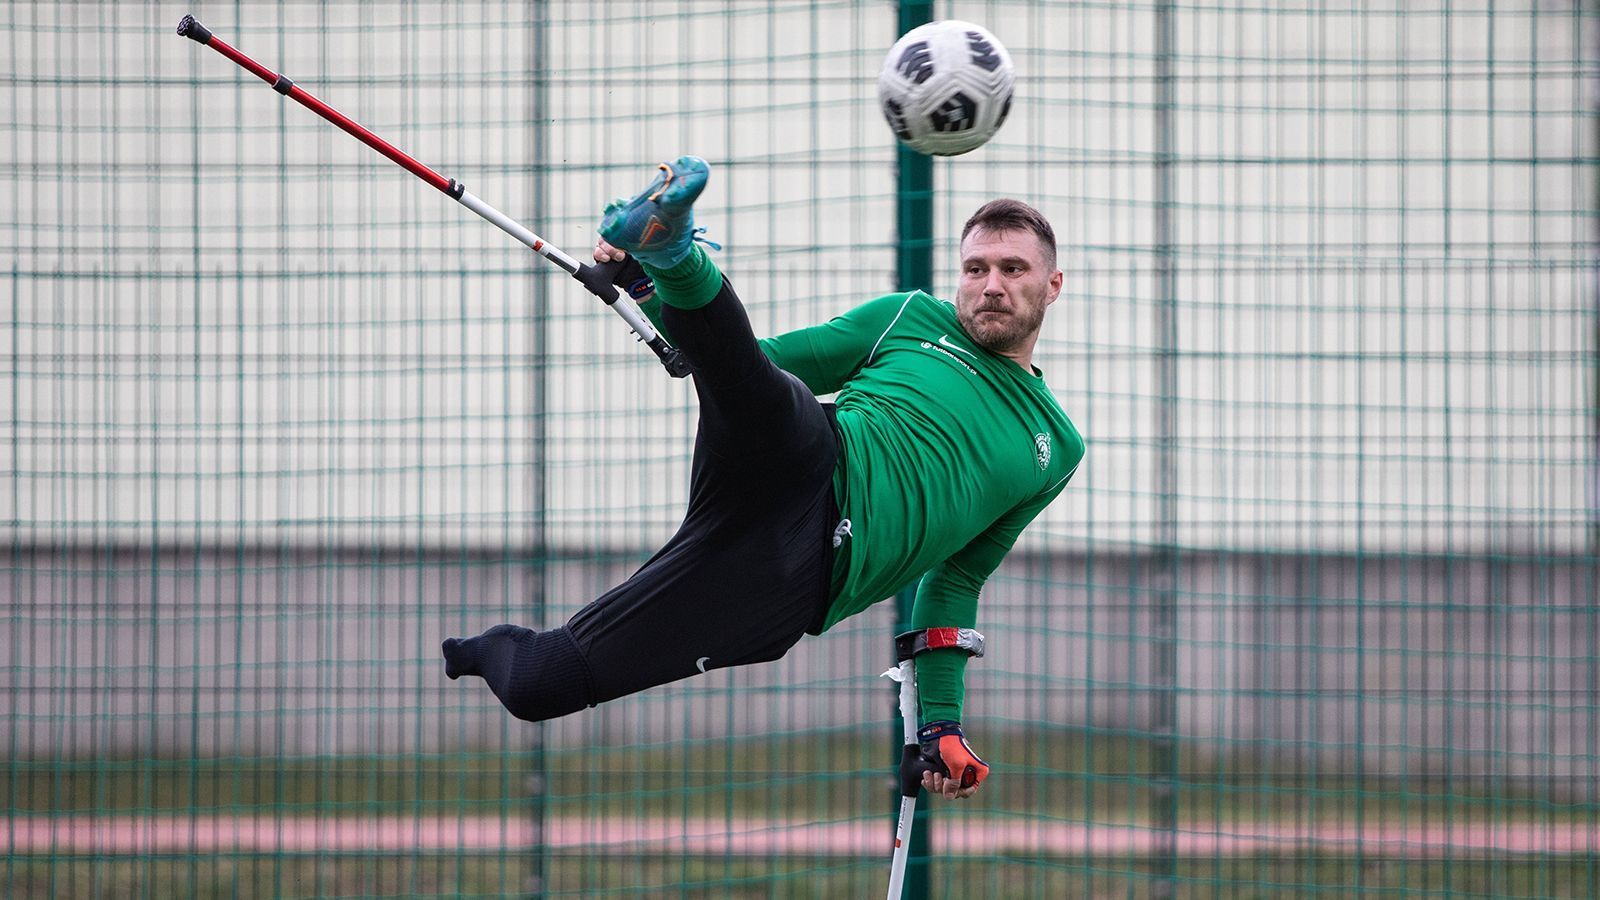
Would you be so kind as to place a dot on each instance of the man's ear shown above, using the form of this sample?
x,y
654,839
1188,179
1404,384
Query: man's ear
x,y
1056,281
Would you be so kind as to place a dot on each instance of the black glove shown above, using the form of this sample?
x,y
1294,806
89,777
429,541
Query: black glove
x,y
630,277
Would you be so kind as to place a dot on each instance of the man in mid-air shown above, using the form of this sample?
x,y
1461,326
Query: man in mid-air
x,y
943,443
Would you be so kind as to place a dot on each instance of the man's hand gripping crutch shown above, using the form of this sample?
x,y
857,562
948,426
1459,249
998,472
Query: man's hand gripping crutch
x,y
935,756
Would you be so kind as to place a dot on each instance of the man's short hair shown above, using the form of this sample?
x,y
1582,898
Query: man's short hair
x,y
1006,214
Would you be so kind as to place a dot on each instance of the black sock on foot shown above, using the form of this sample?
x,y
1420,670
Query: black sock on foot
x,y
536,675
488,655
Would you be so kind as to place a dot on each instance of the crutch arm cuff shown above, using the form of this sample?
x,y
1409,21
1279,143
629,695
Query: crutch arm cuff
x,y
914,643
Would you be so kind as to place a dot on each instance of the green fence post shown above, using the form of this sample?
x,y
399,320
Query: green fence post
x,y
537,761
1165,776
913,269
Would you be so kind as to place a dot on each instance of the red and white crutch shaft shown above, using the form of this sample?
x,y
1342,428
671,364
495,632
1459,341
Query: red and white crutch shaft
x,y
596,278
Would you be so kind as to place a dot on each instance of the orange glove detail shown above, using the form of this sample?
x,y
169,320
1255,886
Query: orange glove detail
x,y
945,750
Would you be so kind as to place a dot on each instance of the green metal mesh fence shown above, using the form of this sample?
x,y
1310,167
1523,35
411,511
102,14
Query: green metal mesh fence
x,y
1316,618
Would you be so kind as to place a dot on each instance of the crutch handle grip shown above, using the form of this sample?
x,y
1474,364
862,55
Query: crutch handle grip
x,y
912,766
597,278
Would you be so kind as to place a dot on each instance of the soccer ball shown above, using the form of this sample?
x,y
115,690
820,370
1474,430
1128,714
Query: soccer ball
x,y
945,87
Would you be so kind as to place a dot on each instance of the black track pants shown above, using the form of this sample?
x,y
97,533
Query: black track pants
x,y
748,572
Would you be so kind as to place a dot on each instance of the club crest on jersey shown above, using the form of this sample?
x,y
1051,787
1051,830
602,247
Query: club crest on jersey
x,y
1041,449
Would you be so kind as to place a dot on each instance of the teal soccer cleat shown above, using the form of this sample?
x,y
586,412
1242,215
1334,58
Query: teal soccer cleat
x,y
656,227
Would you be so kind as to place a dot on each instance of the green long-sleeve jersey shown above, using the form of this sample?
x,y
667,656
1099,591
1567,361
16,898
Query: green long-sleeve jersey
x,y
948,452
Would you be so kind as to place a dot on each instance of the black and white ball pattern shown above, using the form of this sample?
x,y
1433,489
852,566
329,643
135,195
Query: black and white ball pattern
x,y
945,87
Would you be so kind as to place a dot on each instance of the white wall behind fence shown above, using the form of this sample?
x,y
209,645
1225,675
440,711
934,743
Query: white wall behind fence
x,y
225,320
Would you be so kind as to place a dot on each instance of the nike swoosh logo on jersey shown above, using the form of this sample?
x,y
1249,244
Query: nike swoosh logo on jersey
x,y
944,341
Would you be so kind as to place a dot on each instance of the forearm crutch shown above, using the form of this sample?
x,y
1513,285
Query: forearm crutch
x,y
596,278
907,647
905,673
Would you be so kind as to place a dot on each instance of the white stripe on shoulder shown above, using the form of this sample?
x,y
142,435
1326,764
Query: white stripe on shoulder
x,y
874,351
